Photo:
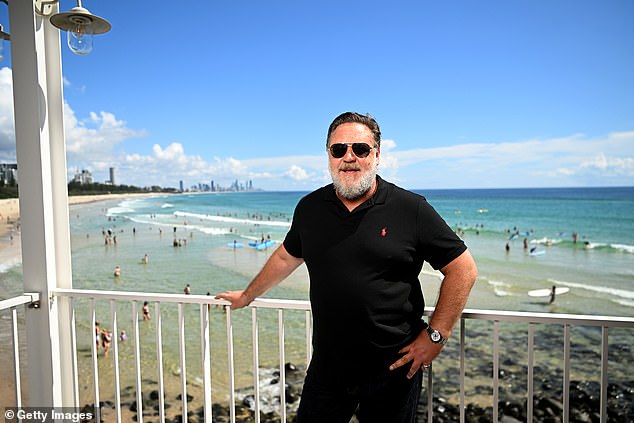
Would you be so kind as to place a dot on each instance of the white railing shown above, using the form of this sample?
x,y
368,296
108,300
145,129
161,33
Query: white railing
x,y
12,304
204,302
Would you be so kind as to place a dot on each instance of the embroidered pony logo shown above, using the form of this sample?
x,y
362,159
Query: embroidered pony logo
x,y
384,232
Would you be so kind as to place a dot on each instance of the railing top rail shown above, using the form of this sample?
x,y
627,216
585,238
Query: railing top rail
x,y
495,315
176,298
26,298
556,318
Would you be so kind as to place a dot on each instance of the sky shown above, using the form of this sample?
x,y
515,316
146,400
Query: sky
x,y
487,94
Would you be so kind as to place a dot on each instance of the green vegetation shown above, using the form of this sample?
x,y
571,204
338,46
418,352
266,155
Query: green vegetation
x,y
9,190
75,188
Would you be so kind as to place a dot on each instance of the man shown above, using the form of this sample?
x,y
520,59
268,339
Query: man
x,y
364,241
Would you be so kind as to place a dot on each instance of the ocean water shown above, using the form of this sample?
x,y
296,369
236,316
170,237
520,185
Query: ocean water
x,y
598,268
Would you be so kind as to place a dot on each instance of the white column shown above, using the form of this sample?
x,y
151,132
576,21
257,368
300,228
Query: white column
x,y
41,157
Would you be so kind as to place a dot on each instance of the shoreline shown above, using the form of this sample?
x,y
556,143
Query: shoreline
x,y
10,209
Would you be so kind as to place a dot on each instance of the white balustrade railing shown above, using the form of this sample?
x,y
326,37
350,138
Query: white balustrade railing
x,y
12,304
204,303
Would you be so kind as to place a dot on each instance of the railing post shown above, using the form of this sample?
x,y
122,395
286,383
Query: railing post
x,y
41,158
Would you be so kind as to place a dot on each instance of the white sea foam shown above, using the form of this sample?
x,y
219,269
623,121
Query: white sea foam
x,y
622,293
204,229
546,241
626,303
212,231
269,392
232,220
10,264
499,287
498,283
623,247
167,206
120,209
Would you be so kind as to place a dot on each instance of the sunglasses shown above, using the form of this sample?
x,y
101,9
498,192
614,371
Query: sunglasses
x,y
360,149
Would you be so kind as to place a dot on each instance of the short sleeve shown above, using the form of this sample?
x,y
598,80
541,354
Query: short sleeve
x,y
293,242
440,243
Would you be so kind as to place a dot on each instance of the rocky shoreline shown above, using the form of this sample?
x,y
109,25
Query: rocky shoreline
x,y
547,408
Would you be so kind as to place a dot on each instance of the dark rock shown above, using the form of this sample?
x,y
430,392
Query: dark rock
x,y
180,397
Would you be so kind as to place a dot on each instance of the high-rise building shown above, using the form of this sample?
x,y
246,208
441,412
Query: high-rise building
x,y
8,173
85,177
112,177
182,188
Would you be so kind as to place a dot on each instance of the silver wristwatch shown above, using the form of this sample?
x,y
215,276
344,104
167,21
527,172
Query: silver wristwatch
x,y
435,336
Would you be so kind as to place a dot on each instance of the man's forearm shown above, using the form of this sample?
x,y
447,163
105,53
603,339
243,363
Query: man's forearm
x,y
460,275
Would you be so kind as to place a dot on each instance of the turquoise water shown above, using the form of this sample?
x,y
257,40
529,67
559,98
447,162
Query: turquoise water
x,y
598,268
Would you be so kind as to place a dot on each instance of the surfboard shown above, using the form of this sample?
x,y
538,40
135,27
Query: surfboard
x,y
546,292
537,253
234,245
264,245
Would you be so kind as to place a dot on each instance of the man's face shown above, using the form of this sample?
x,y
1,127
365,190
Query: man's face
x,y
353,176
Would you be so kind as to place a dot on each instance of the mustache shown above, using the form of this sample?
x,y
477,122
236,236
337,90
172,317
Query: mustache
x,y
349,167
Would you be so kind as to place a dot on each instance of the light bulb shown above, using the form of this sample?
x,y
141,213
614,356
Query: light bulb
x,y
80,40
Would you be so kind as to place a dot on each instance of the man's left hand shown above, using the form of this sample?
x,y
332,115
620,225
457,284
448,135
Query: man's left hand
x,y
421,352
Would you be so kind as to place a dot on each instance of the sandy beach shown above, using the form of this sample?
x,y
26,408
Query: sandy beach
x,y
10,210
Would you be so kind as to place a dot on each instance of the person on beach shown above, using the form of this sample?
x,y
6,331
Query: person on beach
x,y
145,259
364,241
146,311
187,290
117,271
106,339
97,335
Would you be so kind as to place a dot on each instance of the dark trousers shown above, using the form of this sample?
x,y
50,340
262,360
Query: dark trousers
x,y
387,398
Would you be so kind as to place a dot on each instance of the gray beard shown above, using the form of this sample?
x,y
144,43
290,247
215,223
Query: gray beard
x,y
356,191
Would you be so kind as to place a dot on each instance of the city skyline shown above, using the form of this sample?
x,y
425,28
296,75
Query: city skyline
x,y
493,95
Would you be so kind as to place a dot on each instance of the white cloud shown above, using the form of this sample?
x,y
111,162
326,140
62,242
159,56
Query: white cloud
x,y
95,137
297,173
7,129
98,141
617,166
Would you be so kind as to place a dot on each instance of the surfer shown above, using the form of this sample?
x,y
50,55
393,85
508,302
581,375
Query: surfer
x,y
552,294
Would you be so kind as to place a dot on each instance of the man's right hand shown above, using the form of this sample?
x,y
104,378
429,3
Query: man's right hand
x,y
238,299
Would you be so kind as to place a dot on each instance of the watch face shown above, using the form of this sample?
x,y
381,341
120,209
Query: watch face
x,y
435,336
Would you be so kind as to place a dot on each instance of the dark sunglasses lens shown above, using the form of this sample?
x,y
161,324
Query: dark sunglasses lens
x,y
338,150
360,149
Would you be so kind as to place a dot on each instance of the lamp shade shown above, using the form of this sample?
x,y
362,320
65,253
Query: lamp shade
x,y
80,20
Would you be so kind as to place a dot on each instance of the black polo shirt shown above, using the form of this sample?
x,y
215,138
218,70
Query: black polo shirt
x,y
364,265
